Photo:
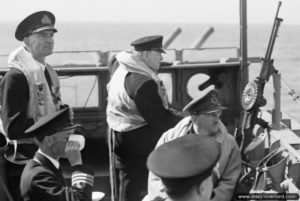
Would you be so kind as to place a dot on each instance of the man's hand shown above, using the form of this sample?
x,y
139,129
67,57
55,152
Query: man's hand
x,y
73,153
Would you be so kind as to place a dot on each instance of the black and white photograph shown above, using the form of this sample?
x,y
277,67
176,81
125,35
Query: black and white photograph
x,y
149,100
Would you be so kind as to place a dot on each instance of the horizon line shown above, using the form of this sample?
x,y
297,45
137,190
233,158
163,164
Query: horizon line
x,y
154,22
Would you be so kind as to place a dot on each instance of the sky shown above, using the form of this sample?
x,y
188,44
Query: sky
x,y
169,11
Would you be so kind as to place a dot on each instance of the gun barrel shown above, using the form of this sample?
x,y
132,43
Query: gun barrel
x,y
273,36
267,66
275,27
202,38
171,38
278,7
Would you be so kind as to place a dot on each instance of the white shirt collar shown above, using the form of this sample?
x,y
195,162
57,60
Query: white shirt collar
x,y
53,161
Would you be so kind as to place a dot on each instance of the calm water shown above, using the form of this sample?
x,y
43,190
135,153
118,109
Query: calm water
x,y
114,36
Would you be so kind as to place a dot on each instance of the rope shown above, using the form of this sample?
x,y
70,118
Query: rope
x,y
111,147
90,93
291,92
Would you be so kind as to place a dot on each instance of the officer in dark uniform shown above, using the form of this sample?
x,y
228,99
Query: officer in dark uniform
x,y
42,178
185,167
29,90
138,113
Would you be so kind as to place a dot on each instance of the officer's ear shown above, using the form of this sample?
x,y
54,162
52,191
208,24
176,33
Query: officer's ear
x,y
194,117
26,41
199,189
48,140
145,54
205,189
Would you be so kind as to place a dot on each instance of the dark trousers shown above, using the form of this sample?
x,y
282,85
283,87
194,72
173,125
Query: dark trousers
x,y
5,194
10,176
132,183
10,173
130,152
14,173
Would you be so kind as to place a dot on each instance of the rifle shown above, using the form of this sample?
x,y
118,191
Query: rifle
x,y
252,97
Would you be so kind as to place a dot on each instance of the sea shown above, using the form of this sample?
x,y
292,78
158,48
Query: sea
x,y
113,36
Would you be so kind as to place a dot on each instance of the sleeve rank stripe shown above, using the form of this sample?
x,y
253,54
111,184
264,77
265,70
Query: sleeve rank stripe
x,y
90,179
83,180
81,174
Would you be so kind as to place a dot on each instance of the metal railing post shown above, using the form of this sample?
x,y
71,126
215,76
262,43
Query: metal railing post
x,y
276,112
102,58
179,55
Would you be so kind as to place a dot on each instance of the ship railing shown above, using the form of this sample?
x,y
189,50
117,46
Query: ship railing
x,y
174,56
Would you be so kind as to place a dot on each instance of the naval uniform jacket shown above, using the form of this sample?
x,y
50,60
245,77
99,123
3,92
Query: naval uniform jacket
x,y
15,97
229,165
136,96
136,109
138,143
42,181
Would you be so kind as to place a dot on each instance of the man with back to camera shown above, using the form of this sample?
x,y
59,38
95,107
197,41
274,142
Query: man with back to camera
x,y
138,113
29,90
185,167
204,119
42,178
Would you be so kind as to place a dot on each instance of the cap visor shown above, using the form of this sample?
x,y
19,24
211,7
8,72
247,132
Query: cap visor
x,y
158,50
44,28
71,127
220,108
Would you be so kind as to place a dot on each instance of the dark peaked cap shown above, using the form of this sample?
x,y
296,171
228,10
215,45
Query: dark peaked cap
x,y
206,104
148,43
184,161
51,123
36,22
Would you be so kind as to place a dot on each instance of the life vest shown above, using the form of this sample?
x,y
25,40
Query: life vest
x,y
42,99
122,113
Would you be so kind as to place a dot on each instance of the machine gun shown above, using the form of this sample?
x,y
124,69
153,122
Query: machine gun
x,y
252,97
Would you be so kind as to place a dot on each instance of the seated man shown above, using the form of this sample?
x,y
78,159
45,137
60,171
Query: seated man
x,y
204,119
41,178
185,166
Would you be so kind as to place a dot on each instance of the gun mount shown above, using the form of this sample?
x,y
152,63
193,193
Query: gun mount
x,y
252,97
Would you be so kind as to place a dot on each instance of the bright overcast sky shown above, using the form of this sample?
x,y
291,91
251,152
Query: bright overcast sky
x,y
174,11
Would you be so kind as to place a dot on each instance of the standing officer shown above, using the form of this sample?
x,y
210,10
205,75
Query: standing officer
x,y
29,90
137,113
204,120
185,167
42,178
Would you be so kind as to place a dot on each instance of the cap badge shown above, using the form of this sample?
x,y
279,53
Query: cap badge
x,y
214,100
46,20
